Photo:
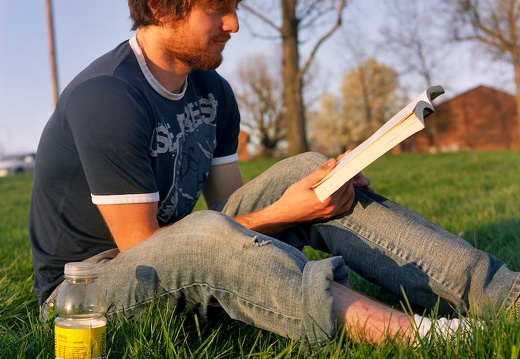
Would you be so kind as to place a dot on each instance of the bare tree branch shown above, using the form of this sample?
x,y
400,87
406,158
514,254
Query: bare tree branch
x,y
297,15
496,26
328,34
261,16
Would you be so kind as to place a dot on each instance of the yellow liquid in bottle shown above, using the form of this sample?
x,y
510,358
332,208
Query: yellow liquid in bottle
x,y
80,338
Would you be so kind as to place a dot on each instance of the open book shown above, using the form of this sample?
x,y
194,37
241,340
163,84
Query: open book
x,y
404,124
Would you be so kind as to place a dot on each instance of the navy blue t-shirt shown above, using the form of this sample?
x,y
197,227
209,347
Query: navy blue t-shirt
x,y
117,136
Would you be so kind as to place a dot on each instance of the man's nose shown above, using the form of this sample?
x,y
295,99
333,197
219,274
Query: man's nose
x,y
230,22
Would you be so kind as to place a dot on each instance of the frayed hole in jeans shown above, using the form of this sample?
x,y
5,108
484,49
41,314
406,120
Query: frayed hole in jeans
x,y
258,242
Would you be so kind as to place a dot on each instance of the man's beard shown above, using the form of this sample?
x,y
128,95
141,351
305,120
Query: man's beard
x,y
196,57
201,60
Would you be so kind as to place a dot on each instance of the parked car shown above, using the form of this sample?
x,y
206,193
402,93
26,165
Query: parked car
x,y
18,163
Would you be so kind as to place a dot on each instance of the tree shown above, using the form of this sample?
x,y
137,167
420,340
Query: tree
x,y
416,42
259,96
495,26
326,132
370,96
413,39
298,17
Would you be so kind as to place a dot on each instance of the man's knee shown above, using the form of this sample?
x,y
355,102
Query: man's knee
x,y
207,220
310,160
301,165
210,227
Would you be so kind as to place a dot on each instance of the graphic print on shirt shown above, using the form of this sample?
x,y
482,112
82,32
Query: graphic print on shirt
x,y
189,143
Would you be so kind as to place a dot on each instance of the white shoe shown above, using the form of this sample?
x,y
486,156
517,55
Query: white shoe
x,y
441,328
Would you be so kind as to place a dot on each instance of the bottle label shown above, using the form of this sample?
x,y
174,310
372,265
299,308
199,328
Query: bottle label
x,y
80,343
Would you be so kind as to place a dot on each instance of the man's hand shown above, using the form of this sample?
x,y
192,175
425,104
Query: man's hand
x,y
300,200
361,181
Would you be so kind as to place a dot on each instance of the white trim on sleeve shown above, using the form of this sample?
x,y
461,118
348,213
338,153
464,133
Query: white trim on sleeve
x,y
125,198
224,160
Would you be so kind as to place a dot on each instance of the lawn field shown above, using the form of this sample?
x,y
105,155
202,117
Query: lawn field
x,y
475,195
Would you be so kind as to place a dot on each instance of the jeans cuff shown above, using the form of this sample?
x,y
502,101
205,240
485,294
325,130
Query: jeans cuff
x,y
318,319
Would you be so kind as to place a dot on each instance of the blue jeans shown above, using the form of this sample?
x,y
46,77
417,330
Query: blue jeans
x,y
208,260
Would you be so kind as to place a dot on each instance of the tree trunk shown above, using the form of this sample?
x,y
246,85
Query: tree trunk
x,y
294,110
516,143
517,82
52,51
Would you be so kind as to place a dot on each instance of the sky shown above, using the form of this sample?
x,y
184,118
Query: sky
x,y
86,29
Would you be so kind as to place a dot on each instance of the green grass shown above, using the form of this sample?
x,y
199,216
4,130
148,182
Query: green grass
x,y
476,195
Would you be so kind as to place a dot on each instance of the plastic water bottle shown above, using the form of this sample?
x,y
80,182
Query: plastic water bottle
x,y
80,327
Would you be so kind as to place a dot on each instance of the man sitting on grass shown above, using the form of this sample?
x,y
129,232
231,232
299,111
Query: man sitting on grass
x,y
146,128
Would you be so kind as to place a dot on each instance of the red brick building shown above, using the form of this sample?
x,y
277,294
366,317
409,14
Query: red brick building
x,y
243,140
481,119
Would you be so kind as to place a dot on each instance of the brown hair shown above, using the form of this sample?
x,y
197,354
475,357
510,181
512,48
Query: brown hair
x,y
142,14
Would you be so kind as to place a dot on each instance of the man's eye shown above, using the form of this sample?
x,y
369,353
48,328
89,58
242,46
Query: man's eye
x,y
216,6
221,6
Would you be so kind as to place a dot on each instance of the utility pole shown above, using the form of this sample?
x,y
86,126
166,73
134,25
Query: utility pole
x,y
52,51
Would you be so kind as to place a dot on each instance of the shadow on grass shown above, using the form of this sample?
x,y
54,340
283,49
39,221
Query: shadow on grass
x,y
501,239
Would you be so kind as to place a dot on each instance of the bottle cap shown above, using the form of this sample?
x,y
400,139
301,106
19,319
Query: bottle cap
x,y
80,270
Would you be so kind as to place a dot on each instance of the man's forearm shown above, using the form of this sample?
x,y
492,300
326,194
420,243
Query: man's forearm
x,y
270,220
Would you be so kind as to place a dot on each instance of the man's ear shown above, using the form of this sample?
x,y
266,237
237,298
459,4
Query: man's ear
x,y
154,12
